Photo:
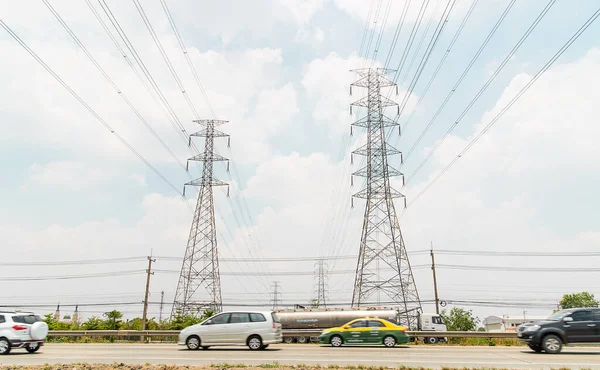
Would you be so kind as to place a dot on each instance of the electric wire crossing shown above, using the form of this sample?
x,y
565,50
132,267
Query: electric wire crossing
x,y
381,241
200,266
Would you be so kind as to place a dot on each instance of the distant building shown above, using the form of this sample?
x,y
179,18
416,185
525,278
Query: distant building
x,y
506,323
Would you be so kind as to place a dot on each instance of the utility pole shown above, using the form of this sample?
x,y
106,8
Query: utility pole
x,y
383,269
162,300
275,285
200,268
148,273
435,291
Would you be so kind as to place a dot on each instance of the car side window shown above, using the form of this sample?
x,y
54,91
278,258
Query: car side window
x,y
257,317
582,316
238,318
2,319
220,319
376,324
359,324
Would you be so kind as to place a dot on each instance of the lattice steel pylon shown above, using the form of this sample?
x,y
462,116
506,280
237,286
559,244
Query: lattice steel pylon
x,y
321,289
383,268
200,266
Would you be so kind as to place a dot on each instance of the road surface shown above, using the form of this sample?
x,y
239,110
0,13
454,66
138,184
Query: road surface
x,y
293,354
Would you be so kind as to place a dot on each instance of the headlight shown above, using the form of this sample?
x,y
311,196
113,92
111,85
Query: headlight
x,y
532,328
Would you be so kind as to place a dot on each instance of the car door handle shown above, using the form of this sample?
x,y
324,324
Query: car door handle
x,y
591,325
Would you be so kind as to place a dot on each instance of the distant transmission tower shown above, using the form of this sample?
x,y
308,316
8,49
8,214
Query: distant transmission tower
x,y
383,269
201,261
276,292
321,284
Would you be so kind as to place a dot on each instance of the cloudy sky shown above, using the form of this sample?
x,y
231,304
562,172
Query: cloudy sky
x,y
279,72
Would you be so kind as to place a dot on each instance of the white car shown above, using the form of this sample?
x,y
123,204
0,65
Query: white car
x,y
21,330
248,328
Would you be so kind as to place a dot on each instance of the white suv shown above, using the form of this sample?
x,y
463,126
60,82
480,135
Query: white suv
x,y
21,330
249,328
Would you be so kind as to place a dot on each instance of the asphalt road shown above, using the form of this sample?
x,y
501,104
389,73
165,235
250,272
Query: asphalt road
x,y
417,356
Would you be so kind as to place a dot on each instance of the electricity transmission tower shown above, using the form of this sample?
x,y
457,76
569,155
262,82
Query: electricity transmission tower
x,y
276,301
200,267
321,290
383,269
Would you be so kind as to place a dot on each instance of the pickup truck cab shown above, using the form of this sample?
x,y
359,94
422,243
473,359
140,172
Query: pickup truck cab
x,y
566,327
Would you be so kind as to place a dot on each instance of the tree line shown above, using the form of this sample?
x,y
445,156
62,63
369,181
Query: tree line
x,y
458,319
113,320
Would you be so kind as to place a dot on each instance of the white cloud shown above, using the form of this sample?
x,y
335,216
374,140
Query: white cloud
x,y
303,10
73,175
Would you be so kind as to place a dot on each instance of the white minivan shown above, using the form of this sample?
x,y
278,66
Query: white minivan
x,y
254,329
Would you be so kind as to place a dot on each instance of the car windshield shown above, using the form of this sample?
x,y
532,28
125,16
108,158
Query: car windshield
x,y
557,316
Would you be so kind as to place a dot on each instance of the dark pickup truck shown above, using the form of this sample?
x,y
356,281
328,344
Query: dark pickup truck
x,y
566,327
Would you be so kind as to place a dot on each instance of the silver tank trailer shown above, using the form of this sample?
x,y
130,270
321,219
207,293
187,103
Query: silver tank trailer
x,y
323,319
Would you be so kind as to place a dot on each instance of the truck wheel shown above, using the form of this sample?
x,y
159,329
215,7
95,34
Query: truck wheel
x,y
431,340
4,346
302,339
288,340
552,344
389,341
535,349
336,341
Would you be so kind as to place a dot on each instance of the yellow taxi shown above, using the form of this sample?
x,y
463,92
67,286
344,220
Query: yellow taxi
x,y
366,330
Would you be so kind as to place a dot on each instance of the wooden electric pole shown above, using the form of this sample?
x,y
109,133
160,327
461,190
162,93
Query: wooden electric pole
x,y
435,291
148,273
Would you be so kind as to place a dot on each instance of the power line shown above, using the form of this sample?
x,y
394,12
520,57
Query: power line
x,y
71,277
484,87
187,56
82,102
519,254
73,262
111,82
461,78
525,269
440,64
165,56
573,38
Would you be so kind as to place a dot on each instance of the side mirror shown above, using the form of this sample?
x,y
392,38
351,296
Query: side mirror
x,y
346,327
208,322
567,319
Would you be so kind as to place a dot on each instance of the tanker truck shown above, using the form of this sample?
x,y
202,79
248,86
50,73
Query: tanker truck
x,y
304,325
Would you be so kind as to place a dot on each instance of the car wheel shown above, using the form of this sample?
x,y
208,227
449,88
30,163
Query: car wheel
x,y
4,346
193,342
431,340
255,343
336,341
552,344
535,348
389,341
32,348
